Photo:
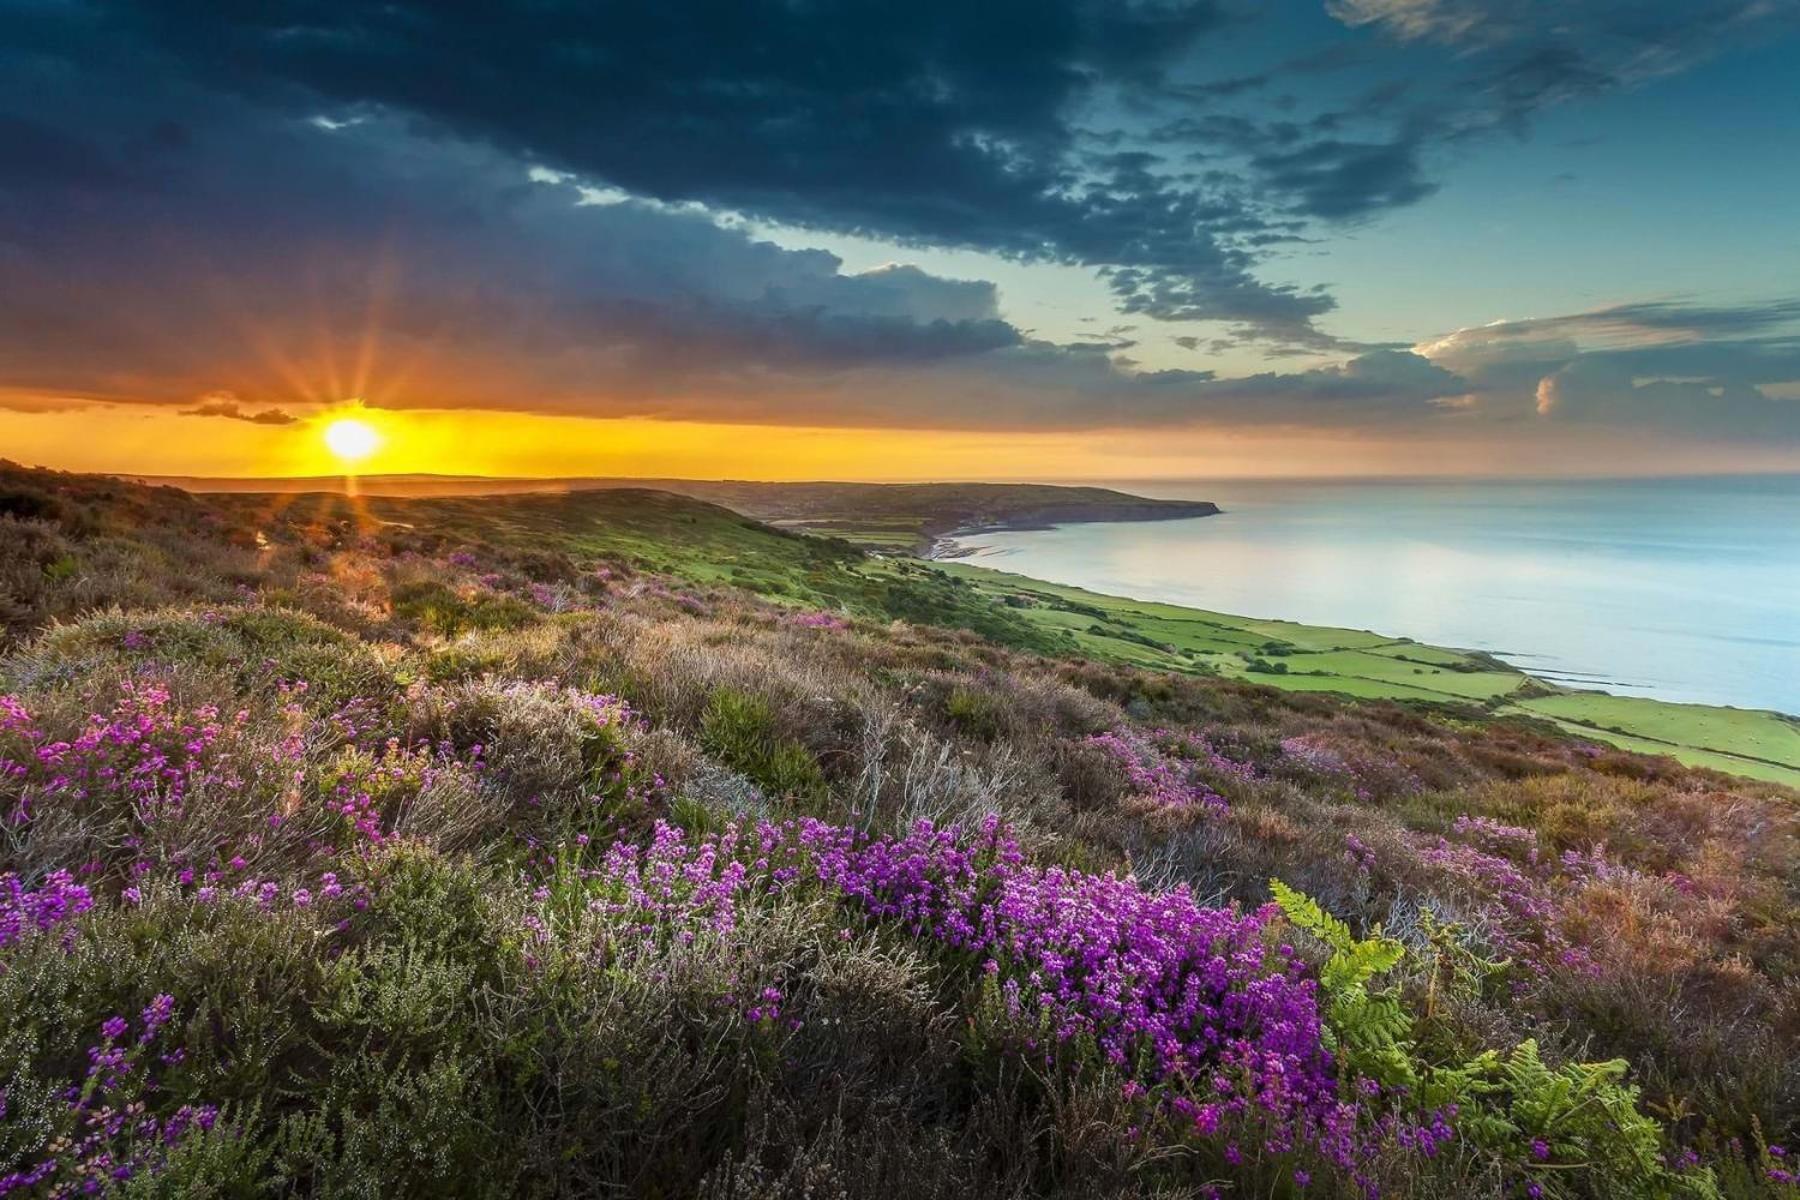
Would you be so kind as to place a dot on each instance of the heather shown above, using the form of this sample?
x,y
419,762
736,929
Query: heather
x,y
345,858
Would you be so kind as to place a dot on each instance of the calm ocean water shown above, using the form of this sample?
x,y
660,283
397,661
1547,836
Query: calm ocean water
x,y
1678,589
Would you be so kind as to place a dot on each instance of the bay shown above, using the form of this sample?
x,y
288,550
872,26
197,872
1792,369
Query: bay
x,y
1684,589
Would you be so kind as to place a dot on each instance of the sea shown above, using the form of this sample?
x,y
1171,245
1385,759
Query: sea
x,y
1684,589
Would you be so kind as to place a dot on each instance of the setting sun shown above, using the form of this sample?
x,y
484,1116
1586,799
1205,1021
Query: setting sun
x,y
351,440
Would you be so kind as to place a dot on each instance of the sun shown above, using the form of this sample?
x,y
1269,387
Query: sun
x,y
351,440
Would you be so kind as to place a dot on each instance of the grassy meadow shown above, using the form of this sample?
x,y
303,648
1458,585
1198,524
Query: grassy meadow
x,y
614,843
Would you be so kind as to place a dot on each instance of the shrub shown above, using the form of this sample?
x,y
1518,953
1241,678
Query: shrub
x,y
1568,1131
740,730
438,609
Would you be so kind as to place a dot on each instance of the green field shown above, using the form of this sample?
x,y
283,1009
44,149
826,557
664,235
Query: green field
x,y
1350,662
1761,744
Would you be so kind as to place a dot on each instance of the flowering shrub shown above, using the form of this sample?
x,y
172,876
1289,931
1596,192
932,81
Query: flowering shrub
x,y
56,901
369,788
1190,999
1560,1129
144,752
1170,770
1519,909
105,1129
1369,775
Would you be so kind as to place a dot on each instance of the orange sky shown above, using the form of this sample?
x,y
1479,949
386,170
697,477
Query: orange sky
x,y
142,439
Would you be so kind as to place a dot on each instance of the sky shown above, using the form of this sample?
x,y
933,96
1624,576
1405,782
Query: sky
x,y
1051,239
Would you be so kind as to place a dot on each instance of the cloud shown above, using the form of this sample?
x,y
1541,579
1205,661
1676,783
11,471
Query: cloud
x,y
24,401
1040,386
1628,30
1310,169
1720,372
1601,392
1336,179
1645,322
1523,56
289,263
294,203
938,122
225,405
1373,387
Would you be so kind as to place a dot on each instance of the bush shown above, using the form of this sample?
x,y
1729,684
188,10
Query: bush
x,y
439,609
1571,1130
976,712
740,730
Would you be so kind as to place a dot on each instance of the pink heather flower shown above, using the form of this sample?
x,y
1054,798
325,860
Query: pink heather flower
x,y
155,1016
1169,769
57,901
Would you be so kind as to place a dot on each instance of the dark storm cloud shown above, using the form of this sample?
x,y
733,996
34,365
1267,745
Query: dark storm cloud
x,y
33,154
1510,60
939,122
1307,169
178,241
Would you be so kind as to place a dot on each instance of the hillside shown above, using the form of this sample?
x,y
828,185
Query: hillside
x,y
901,517
1031,614
617,843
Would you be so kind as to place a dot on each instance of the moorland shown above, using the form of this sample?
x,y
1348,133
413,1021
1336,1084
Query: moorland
x,y
616,842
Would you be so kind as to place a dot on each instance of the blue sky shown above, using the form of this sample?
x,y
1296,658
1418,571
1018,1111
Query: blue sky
x,y
1523,223
1677,186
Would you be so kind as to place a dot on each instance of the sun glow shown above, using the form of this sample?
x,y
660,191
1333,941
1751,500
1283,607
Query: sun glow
x,y
351,440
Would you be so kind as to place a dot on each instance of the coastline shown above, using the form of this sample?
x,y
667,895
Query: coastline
x,y
1761,744
1666,590
940,545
